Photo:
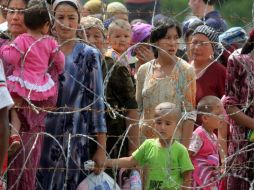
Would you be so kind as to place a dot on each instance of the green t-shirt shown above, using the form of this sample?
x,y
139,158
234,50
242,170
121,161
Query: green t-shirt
x,y
165,165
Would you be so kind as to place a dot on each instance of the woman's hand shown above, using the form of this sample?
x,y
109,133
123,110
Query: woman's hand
x,y
99,158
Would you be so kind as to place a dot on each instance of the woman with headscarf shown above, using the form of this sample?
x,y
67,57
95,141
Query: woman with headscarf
x,y
210,75
239,96
22,166
80,106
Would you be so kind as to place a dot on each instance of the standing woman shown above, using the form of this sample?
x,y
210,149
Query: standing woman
x,y
80,87
167,78
239,96
210,74
22,167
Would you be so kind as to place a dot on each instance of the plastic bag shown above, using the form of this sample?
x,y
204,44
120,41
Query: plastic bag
x,y
98,182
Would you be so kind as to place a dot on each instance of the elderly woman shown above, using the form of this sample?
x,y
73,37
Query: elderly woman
x,y
22,167
167,78
210,75
80,94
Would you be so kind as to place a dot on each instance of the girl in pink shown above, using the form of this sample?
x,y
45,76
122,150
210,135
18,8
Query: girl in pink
x,y
203,148
31,54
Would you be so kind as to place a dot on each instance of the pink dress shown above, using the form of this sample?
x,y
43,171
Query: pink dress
x,y
205,159
31,59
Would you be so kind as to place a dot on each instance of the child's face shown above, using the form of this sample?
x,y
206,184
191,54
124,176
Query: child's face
x,y
215,120
165,126
120,39
95,37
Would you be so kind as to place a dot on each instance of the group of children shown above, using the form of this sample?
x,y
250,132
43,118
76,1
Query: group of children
x,y
170,164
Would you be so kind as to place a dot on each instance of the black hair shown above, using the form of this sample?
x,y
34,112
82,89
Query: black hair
x,y
160,29
249,45
210,2
36,14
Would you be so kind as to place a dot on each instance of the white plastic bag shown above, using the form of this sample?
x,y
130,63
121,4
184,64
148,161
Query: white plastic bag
x,y
98,182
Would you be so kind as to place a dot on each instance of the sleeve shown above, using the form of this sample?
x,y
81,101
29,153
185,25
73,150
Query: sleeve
x,y
185,161
189,103
12,54
57,57
5,97
140,84
123,87
195,144
232,86
98,119
139,154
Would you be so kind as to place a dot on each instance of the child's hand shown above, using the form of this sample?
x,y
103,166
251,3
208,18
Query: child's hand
x,y
99,158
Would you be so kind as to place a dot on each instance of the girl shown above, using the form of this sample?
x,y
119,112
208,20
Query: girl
x,y
30,53
203,148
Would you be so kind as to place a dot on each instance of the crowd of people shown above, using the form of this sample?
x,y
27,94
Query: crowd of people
x,y
110,83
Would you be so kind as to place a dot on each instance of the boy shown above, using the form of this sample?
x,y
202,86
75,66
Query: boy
x,y
5,103
167,161
204,148
119,40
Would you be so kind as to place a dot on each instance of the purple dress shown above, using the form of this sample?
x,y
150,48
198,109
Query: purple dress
x,y
240,92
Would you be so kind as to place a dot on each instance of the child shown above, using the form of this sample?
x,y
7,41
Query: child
x,y
166,159
119,40
31,53
203,148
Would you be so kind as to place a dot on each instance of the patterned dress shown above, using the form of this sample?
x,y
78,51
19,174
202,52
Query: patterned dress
x,y
205,159
80,88
178,88
23,167
240,92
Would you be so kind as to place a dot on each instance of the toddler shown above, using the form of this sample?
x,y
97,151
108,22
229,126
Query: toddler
x,y
203,148
31,54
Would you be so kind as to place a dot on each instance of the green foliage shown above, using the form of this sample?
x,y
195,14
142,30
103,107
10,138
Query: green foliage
x,y
235,12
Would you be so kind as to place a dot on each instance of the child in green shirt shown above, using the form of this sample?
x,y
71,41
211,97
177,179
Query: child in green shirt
x,y
166,160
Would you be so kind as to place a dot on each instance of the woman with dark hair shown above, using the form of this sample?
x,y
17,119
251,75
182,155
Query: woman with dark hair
x,y
167,78
80,105
22,166
238,99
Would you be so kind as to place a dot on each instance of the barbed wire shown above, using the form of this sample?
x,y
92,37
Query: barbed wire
x,y
118,112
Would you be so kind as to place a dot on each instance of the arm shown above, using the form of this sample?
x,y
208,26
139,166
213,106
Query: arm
x,y
125,162
239,117
11,55
4,134
222,141
134,131
188,106
187,179
57,57
100,154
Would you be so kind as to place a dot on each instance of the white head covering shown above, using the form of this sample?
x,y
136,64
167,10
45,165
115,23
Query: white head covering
x,y
75,2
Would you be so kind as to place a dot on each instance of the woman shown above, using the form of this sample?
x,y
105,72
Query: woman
x,y
22,167
238,99
80,88
166,78
210,74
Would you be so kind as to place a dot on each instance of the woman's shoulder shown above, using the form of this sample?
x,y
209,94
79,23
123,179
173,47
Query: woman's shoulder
x,y
184,65
143,68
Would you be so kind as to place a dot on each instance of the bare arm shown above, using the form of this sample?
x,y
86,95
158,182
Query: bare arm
x,y
100,154
240,117
188,126
222,139
134,130
4,135
186,180
125,162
